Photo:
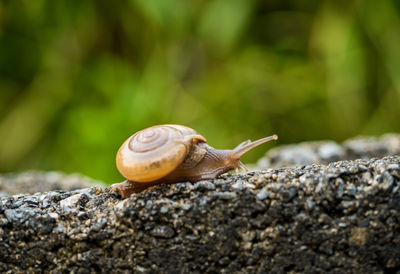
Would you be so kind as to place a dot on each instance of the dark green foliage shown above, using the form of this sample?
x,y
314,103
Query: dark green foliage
x,y
78,77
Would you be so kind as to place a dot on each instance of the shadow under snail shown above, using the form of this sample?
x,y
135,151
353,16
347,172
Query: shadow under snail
x,y
167,154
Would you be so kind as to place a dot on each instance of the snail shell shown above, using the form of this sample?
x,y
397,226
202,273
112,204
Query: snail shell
x,y
152,153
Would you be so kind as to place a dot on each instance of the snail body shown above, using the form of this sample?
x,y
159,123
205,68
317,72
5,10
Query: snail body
x,y
167,154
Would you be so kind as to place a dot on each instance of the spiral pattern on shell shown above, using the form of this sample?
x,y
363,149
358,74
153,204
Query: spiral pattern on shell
x,y
149,139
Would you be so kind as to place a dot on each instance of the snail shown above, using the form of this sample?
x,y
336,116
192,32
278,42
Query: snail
x,y
167,154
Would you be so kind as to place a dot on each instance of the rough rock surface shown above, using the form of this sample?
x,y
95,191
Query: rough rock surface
x,y
343,217
324,152
39,181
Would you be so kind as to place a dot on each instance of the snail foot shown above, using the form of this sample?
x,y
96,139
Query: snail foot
x,y
127,188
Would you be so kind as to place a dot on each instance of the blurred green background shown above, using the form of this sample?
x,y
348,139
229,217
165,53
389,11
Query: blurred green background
x,y
79,77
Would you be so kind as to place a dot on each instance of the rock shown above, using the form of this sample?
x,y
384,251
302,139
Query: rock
x,y
330,152
36,181
262,195
324,152
342,218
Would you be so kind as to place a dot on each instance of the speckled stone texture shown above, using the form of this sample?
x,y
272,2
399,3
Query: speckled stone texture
x,y
340,218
